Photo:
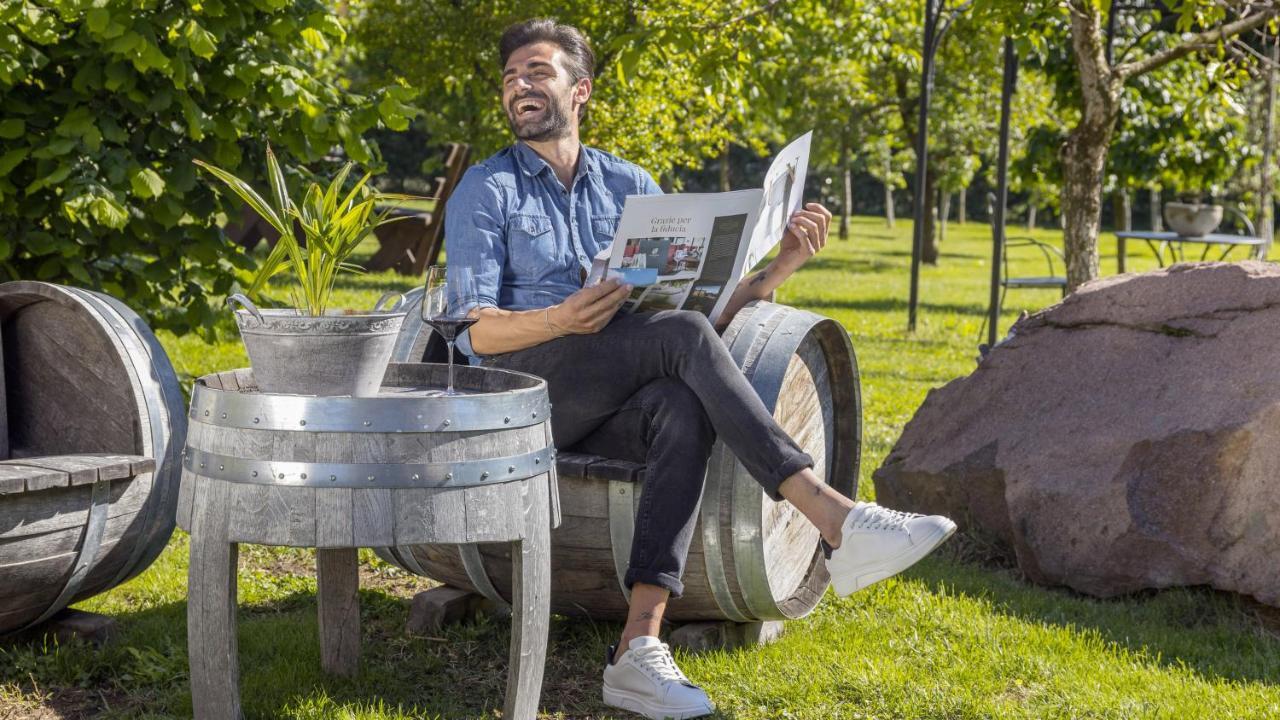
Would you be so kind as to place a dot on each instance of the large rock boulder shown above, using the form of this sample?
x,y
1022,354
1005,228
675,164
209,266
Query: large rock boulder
x,y
1127,438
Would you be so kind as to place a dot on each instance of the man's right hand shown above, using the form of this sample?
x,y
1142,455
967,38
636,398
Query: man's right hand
x,y
590,309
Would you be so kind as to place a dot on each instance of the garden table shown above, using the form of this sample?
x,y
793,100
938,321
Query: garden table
x,y
1158,241
339,473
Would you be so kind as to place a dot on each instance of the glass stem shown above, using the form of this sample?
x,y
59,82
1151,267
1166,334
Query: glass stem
x,y
450,390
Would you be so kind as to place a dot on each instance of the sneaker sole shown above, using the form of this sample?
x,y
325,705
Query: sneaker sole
x,y
894,565
636,704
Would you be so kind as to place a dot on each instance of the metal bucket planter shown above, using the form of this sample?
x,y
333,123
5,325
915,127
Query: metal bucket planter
x,y
1192,219
332,354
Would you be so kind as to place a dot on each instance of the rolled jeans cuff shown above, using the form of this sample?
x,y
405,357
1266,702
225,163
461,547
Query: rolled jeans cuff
x,y
791,466
652,577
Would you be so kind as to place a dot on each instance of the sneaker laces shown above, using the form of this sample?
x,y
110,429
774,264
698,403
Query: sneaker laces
x,y
875,517
657,662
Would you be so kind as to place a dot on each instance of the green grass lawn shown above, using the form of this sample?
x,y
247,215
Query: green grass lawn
x,y
961,635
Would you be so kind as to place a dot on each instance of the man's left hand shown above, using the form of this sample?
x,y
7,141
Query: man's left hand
x,y
806,235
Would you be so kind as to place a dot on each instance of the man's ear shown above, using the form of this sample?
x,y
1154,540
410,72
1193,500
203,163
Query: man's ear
x,y
582,91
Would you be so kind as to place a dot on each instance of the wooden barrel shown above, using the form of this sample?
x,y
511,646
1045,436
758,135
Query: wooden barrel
x,y
82,374
398,468
751,558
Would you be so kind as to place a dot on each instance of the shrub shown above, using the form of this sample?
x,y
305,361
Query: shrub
x,y
103,107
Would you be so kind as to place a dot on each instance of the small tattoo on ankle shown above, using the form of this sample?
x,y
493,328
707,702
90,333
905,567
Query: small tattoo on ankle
x,y
646,615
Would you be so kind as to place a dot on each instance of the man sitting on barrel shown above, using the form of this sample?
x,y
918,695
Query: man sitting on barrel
x,y
654,388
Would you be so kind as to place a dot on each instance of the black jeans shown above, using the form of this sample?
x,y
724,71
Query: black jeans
x,y
657,389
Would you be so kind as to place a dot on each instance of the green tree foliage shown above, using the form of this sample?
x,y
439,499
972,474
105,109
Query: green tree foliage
x,y
103,107
676,80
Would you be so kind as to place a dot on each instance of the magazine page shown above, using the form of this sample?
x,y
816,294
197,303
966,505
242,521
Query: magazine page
x,y
783,195
683,251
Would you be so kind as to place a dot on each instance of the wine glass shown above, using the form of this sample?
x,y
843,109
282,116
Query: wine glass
x,y
447,299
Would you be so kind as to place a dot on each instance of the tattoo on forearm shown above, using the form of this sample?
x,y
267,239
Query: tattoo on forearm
x,y
759,278
646,615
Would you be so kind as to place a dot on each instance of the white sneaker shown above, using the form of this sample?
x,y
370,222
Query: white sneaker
x,y
646,680
877,543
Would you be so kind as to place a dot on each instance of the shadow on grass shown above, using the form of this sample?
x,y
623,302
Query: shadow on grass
x,y
823,262
1218,635
942,256
461,673
883,304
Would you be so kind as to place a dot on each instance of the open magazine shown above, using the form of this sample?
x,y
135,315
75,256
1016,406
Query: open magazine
x,y
689,251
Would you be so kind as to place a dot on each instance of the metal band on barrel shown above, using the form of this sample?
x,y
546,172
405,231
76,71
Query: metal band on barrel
x,y
763,352
384,414
712,552
622,527
90,543
473,565
769,369
367,476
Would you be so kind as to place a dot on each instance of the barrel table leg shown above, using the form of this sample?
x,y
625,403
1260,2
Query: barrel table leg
x,y
338,582
530,606
211,608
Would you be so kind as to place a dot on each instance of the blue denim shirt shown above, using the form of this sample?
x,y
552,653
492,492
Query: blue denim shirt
x,y
528,239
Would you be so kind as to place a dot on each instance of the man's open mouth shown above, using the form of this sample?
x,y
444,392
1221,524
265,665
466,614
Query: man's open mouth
x,y
527,106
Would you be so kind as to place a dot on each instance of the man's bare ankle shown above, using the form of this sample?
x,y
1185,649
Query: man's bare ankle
x,y
624,643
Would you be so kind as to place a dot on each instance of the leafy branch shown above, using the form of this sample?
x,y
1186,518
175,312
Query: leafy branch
x,y
1199,41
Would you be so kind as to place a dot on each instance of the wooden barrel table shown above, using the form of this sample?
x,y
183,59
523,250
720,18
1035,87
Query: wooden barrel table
x,y
752,559
338,473
83,384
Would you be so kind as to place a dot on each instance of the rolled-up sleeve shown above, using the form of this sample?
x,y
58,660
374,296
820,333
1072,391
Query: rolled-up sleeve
x,y
475,237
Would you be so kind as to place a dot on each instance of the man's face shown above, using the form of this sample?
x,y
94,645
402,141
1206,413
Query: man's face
x,y
539,95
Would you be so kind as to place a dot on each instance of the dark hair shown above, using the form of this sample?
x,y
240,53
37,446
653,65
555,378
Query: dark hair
x,y
580,60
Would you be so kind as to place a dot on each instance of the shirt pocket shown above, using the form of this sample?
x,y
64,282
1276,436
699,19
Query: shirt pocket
x,y
530,243
604,227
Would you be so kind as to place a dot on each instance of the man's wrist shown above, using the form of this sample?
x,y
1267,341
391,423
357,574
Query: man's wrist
x,y
771,277
554,330
787,263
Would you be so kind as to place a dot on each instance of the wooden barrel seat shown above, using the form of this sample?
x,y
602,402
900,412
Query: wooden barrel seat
x,y
92,425
752,559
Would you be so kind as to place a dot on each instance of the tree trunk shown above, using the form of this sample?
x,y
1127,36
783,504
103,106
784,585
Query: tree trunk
x,y
1157,207
1266,214
725,185
931,250
960,204
1033,204
944,213
846,167
888,196
1084,158
1124,211
1084,155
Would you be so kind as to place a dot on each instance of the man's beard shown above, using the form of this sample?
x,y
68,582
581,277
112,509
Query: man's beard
x,y
553,125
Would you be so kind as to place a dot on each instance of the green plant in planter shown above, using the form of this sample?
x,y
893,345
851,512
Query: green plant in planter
x,y
332,224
